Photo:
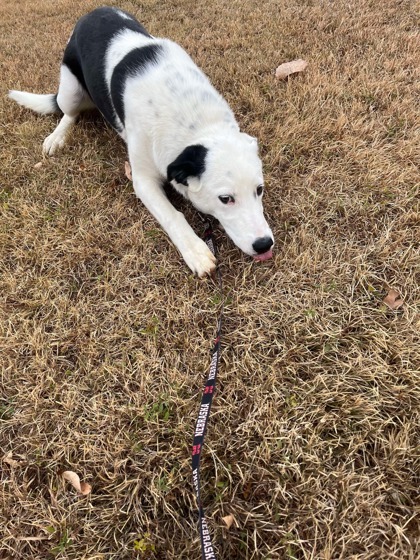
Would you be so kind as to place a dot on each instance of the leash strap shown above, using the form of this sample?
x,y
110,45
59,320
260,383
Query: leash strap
x,y
207,550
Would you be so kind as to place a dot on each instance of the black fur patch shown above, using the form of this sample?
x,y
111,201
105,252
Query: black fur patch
x,y
134,63
189,163
85,53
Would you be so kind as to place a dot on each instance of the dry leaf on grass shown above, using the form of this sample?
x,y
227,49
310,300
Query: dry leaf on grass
x,y
393,300
82,487
229,520
128,171
8,459
287,68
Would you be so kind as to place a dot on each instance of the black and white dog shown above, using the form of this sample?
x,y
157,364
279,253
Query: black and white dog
x,y
177,127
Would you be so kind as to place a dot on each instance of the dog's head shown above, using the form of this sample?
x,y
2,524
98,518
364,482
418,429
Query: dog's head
x,y
222,176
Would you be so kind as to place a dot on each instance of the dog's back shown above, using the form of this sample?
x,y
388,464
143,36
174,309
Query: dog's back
x,y
87,51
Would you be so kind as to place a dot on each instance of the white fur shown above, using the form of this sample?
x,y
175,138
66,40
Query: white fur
x,y
40,103
71,97
122,14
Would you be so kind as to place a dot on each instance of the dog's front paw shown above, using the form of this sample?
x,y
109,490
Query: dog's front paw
x,y
199,258
52,143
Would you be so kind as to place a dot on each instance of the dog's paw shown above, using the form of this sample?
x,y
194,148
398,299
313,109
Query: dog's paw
x,y
53,142
199,258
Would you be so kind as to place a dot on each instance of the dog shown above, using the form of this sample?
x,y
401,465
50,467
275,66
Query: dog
x,y
176,126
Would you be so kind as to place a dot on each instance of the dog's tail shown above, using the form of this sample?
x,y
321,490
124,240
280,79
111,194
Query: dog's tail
x,y
42,104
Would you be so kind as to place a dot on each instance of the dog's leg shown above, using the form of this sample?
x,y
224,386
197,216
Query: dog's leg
x,y
71,99
193,249
57,139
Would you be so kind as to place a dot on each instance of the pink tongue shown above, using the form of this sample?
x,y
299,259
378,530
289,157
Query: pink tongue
x,y
264,256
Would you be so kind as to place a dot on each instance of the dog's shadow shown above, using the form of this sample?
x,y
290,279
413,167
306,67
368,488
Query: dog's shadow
x,y
93,124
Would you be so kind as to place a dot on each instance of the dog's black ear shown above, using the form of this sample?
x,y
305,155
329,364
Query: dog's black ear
x,y
189,163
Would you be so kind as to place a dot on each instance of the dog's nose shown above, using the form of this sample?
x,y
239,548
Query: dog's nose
x,y
262,245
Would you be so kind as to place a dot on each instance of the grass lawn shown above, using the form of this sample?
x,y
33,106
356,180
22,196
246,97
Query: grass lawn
x,y
313,444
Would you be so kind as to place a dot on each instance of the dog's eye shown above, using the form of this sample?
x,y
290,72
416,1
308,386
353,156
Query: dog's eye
x,y
260,189
227,199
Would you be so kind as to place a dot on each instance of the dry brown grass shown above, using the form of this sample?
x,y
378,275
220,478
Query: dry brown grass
x,y
105,336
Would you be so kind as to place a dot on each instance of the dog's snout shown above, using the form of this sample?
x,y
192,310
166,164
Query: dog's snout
x,y
262,245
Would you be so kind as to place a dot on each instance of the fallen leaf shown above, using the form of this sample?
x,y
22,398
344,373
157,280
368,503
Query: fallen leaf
x,y
287,68
393,300
8,459
128,171
38,165
229,520
82,487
